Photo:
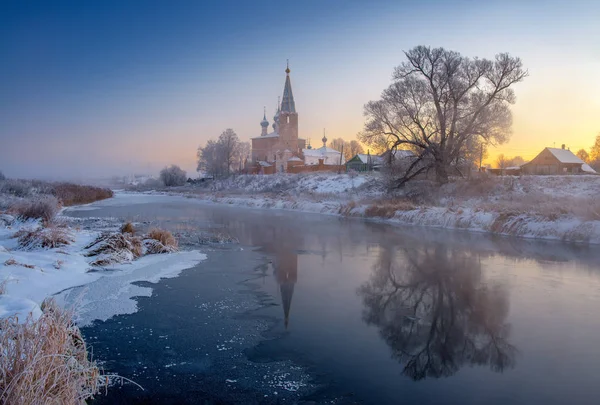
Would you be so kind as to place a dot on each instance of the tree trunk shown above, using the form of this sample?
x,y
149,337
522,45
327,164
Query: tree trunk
x,y
441,172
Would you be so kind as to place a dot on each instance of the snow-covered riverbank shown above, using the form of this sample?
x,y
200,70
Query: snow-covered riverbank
x,y
544,207
29,275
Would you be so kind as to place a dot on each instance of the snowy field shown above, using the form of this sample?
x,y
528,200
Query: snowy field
x,y
29,275
547,207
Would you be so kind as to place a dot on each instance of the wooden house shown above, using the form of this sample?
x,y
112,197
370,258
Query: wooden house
x,y
556,161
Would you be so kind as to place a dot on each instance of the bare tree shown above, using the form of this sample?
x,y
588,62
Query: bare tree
x,y
337,144
352,149
221,157
501,162
583,155
243,153
229,142
173,176
211,159
595,150
438,102
515,161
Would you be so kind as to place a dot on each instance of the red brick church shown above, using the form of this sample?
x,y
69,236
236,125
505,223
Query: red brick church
x,y
282,151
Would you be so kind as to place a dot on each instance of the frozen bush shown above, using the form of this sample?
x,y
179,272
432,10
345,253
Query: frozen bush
x,y
111,248
45,361
49,238
43,207
164,237
128,228
17,188
173,176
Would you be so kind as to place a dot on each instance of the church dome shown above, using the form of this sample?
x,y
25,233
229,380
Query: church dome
x,y
264,123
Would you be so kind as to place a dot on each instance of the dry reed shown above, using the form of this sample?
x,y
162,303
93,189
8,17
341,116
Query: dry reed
x,y
163,236
45,361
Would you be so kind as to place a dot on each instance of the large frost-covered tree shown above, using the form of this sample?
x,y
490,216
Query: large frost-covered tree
x,y
439,104
223,156
173,176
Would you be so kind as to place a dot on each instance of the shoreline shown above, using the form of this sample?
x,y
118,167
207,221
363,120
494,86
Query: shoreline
x,y
29,275
564,228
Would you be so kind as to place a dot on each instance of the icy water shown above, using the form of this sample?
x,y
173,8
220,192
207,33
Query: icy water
x,y
317,309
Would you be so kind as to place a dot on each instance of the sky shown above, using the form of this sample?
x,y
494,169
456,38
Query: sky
x,y
96,88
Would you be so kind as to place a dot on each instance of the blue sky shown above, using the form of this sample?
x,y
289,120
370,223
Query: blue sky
x,y
95,88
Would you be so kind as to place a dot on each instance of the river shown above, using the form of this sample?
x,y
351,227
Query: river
x,y
317,309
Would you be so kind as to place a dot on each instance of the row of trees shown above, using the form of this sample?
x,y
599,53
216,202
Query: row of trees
x,y
226,155
502,162
349,148
593,156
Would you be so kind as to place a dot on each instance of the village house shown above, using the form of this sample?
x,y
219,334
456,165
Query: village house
x,y
556,161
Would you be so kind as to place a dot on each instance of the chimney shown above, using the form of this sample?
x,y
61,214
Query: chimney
x,y
563,145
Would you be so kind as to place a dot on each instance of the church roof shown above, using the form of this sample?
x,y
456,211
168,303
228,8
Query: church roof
x,y
323,150
287,102
273,134
294,159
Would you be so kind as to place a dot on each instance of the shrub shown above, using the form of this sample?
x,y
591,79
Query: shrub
x,y
110,248
2,176
128,228
388,209
173,176
346,209
42,207
74,194
17,188
45,361
50,238
164,237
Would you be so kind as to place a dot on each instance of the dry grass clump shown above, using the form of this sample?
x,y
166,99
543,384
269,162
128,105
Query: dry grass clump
x,y
163,236
45,361
128,228
50,238
3,287
387,209
75,194
110,248
13,262
43,207
346,209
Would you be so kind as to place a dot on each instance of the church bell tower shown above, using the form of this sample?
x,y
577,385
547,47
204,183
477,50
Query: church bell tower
x,y
288,117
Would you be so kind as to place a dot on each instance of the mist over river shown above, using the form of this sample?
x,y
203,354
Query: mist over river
x,y
309,308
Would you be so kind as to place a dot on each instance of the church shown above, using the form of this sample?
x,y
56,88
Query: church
x,y
282,150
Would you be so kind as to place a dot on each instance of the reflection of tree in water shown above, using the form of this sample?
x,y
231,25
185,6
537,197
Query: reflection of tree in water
x,y
436,314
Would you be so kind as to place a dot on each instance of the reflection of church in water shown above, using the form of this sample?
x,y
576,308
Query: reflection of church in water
x,y
286,275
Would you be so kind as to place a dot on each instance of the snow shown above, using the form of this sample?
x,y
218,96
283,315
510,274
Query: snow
x,y
587,168
273,134
565,155
60,269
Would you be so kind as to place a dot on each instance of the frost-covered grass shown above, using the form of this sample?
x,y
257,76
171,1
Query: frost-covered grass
x,y
45,360
37,261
